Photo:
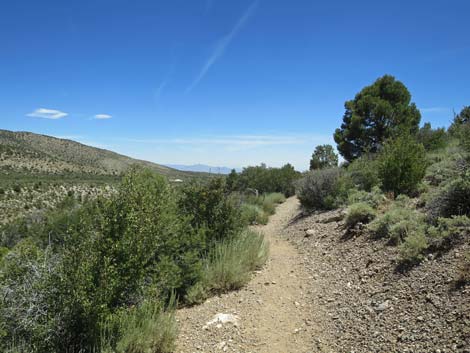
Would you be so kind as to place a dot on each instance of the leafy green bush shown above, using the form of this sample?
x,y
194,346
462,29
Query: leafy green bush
x,y
264,179
210,210
402,165
92,277
364,173
411,250
431,139
319,189
229,264
359,212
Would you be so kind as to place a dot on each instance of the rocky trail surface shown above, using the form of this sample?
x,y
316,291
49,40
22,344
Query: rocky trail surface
x,y
323,290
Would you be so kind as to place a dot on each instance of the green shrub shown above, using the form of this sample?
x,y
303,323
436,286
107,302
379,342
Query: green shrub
x,y
443,171
402,165
359,212
210,210
319,189
464,137
229,265
147,328
464,272
412,249
431,139
30,286
374,198
453,198
364,172
274,198
264,179
253,214
448,231
397,222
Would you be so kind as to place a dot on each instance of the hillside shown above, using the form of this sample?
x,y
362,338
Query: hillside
x,y
29,153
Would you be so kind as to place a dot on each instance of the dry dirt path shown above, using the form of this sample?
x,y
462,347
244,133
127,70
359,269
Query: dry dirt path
x,y
273,310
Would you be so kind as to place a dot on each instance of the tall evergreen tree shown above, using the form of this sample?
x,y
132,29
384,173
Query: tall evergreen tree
x,y
378,111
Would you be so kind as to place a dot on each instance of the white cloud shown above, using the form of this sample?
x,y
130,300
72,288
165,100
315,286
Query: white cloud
x,y
435,110
47,114
222,45
103,116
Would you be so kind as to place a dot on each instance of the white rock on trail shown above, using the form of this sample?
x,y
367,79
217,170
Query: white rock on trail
x,y
223,319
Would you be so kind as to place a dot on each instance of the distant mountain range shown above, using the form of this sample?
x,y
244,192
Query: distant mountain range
x,y
202,168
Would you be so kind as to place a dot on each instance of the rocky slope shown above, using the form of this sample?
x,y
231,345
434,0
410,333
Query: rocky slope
x,y
325,291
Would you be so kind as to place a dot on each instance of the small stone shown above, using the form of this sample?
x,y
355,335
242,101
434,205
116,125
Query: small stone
x,y
309,233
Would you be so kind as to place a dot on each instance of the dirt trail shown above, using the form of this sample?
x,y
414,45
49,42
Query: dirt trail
x,y
274,309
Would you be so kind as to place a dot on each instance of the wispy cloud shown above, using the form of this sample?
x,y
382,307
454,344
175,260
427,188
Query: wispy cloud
x,y
237,140
159,90
103,116
435,110
209,5
47,114
222,44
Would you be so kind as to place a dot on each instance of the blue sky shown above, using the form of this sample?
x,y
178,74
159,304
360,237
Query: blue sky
x,y
221,82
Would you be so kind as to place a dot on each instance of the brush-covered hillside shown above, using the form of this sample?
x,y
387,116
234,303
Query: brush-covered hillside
x,y
39,172
26,152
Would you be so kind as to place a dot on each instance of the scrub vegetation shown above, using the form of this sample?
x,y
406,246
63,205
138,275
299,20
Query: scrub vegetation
x,y
407,184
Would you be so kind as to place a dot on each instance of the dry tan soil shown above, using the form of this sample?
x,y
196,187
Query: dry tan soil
x,y
274,309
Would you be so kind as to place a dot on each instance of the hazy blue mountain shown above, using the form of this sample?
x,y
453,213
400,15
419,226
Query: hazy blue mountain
x,y
201,168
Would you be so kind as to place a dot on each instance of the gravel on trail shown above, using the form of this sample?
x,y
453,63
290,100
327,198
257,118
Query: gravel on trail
x,y
322,291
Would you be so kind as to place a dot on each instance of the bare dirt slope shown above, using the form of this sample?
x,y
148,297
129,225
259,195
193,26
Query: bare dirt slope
x,y
273,310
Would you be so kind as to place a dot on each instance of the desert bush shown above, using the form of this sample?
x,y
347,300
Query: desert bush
x,y
443,170
210,210
431,139
453,198
412,249
374,198
359,212
402,165
30,286
319,189
464,271
363,172
229,264
397,222
148,328
464,137
274,198
257,209
253,214
112,254
264,179
448,231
